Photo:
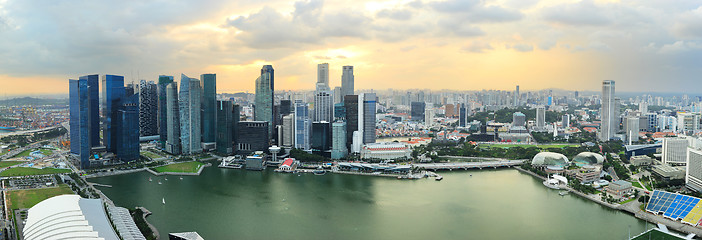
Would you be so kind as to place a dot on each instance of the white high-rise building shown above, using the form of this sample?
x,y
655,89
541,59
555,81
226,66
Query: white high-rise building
x,y
608,116
674,151
540,118
429,117
643,107
688,123
693,173
288,130
323,104
516,97
632,129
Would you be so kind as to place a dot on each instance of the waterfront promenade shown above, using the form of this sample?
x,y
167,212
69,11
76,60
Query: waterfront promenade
x,y
468,165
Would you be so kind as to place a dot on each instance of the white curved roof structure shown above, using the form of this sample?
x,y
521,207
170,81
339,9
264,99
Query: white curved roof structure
x,y
68,217
589,158
550,159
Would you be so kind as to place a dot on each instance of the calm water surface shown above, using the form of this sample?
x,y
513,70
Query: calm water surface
x,y
490,204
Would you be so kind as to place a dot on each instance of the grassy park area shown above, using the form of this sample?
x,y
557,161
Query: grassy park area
x,y
4,164
183,167
150,155
26,153
28,198
27,171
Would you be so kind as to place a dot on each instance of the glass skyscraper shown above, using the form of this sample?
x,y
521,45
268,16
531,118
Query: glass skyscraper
x,y
190,97
148,108
127,130
351,106
302,126
112,94
172,126
94,107
264,97
367,121
347,80
163,82
209,112
339,149
81,123
224,127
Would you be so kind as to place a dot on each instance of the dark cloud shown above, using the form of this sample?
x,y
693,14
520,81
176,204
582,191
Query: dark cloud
x,y
581,13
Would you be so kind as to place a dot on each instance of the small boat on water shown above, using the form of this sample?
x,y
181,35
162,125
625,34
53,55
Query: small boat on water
x,y
320,171
563,193
181,177
439,178
150,179
163,200
159,182
166,178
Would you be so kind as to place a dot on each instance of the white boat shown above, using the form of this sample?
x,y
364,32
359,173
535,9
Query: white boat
x,y
439,178
150,179
163,200
166,178
159,181
563,193
181,178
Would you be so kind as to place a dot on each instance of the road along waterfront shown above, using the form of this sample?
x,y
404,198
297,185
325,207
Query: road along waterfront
x,y
473,204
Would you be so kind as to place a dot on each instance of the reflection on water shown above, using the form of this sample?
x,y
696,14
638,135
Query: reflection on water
x,y
492,204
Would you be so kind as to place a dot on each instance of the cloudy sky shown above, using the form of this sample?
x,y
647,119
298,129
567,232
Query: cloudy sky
x,y
645,45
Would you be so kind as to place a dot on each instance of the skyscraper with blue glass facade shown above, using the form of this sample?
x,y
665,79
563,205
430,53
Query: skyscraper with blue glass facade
x,y
209,112
112,93
94,111
126,131
82,118
302,125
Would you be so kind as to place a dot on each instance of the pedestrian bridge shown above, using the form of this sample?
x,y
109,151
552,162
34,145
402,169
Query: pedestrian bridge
x,y
468,165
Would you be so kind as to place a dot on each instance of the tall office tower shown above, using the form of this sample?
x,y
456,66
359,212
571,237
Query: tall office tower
x,y
323,74
449,110
652,125
609,125
163,81
674,151
127,130
339,149
420,96
643,107
366,116
323,106
338,97
565,121
224,127
351,106
516,97
321,136
285,107
577,94
264,98
113,91
347,80
190,96
172,128
209,109
540,118
236,116
518,119
688,123
94,107
429,117
148,108
252,136
693,173
417,111
288,132
632,129
302,126
81,118
462,116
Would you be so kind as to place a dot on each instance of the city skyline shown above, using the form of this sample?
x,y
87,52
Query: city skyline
x,y
466,45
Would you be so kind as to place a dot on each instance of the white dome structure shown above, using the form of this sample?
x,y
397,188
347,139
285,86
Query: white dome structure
x,y
550,159
68,217
589,158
